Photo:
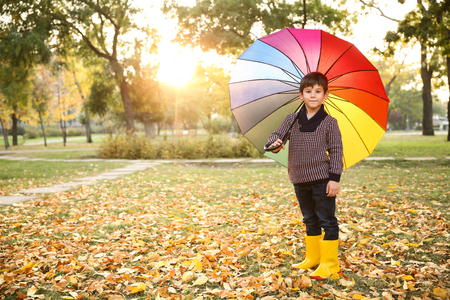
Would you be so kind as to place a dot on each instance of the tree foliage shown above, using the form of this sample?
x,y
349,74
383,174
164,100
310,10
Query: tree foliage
x,y
231,26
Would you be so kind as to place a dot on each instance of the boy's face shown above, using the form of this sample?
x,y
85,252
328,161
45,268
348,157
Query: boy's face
x,y
313,97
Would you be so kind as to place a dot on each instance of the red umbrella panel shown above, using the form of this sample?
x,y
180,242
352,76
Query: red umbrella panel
x,y
265,82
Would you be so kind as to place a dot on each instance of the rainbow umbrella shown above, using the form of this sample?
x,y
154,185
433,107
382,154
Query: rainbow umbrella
x,y
265,82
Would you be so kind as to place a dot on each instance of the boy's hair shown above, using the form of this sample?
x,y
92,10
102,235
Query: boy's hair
x,y
312,79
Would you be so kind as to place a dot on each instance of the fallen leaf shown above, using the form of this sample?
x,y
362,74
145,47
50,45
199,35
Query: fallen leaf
x,y
440,292
138,288
407,277
201,280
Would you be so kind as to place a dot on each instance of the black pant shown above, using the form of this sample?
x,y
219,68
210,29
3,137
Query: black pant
x,y
318,210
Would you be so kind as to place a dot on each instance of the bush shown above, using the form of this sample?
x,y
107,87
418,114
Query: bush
x,y
218,126
32,132
20,130
76,131
137,146
52,131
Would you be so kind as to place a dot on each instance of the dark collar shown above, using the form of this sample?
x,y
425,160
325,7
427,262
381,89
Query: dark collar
x,y
311,124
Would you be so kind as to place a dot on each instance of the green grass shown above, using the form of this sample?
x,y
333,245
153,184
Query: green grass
x,y
19,175
52,142
401,146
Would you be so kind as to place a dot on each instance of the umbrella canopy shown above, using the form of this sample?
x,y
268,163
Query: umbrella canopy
x,y
265,82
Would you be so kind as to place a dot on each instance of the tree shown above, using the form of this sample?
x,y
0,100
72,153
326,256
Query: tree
x,y
429,25
443,31
5,112
104,27
66,103
24,39
230,26
145,89
41,94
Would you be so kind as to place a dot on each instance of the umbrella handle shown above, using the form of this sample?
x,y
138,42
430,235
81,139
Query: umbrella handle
x,y
267,149
285,136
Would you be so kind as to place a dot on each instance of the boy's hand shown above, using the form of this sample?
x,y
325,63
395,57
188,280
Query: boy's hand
x,y
332,188
277,143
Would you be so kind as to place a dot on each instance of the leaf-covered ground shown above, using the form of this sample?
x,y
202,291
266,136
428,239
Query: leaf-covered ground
x,y
229,232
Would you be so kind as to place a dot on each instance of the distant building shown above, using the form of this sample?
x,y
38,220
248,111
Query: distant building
x,y
440,122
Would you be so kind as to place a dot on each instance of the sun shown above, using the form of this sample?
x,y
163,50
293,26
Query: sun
x,y
176,64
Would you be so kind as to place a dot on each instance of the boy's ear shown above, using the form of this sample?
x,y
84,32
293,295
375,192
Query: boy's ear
x,y
326,94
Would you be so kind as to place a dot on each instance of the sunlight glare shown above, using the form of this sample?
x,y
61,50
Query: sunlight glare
x,y
177,65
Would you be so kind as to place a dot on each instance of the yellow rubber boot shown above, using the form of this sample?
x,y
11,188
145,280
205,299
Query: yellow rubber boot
x,y
312,257
329,263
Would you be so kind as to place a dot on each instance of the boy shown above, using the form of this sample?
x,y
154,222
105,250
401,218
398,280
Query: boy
x,y
315,167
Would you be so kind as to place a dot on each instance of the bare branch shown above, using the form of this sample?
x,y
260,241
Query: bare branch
x,y
371,5
91,46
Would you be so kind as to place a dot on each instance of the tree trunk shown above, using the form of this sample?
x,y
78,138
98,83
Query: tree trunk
x,y
42,127
125,95
87,125
407,128
87,119
63,129
426,74
5,134
14,129
128,106
149,128
159,128
388,85
448,104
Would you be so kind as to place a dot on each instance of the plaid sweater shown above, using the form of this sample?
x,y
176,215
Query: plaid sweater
x,y
308,160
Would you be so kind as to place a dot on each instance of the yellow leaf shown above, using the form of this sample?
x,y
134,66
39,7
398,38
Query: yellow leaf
x,y
387,244
67,297
31,291
260,231
196,265
73,280
187,263
136,289
407,277
412,210
347,283
412,245
356,296
440,292
187,276
364,241
201,280
27,266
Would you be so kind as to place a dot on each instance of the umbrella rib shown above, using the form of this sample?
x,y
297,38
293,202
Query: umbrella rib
x,y
336,60
293,91
308,69
331,88
354,127
282,93
264,63
287,103
300,73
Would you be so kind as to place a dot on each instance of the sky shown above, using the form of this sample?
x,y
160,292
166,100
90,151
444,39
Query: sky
x,y
368,33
